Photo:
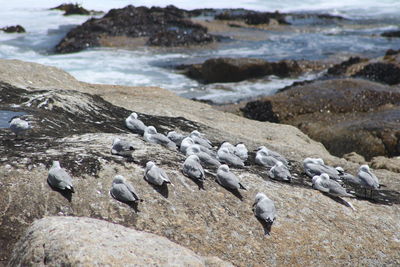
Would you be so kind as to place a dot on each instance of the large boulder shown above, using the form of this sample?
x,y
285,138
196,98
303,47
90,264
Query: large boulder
x,y
345,115
210,222
156,24
238,69
71,241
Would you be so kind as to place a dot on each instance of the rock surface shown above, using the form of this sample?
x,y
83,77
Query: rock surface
x,y
210,222
238,69
72,241
346,115
160,26
72,9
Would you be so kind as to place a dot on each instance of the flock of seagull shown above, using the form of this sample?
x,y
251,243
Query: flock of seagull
x,y
200,154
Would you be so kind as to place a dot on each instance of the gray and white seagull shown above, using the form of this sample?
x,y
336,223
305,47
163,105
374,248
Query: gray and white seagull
x,y
151,136
134,124
193,169
265,212
58,178
122,147
122,191
227,179
155,175
19,126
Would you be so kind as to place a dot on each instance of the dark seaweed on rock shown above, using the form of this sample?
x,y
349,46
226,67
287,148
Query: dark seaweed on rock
x,y
163,26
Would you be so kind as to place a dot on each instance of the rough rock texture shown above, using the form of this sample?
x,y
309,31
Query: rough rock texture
x,y
392,164
72,9
72,241
212,222
345,115
384,70
162,26
239,69
251,17
13,29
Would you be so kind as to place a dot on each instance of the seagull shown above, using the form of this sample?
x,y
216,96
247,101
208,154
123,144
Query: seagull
x,y
122,147
58,178
264,210
199,139
155,175
123,191
280,172
229,158
193,169
151,135
274,154
367,178
205,159
176,137
227,179
188,141
324,184
241,151
263,159
19,126
228,146
316,166
134,124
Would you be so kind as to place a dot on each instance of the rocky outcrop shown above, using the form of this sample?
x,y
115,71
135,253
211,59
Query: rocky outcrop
x,y
345,115
251,17
72,9
238,69
391,34
160,26
13,29
210,222
62,241
384,70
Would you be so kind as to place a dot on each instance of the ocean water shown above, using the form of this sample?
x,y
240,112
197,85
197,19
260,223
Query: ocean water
x,y
309,40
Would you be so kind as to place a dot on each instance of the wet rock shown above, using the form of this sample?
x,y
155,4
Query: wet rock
x,y
345,115
13,29
154,23
61,241
391,52
238,69
340,69
381,72
391,34
251,17
72,9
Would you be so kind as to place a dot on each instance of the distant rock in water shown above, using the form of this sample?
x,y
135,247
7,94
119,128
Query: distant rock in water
x,y
384,70
346,115
391,34
159,26
238,69
13,29
251,17
75,9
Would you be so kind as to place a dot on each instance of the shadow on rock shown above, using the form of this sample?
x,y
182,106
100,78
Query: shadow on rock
x,y
67,194
266,226
161,189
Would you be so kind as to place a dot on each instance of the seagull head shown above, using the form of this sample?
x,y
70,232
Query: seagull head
x,y
149,165
150,130
224,168
364,168
259,197
56,164
118,179
194,157
324,176
241,146
116,140
133,115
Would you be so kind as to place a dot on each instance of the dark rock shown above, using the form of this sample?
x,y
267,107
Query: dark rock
x,y
391,52
251,17
340,69
13,29
238,69
391,34
154,23
381,72
72,9
345,115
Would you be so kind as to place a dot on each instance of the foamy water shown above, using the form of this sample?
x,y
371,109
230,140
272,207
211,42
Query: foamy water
x,y
147,66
